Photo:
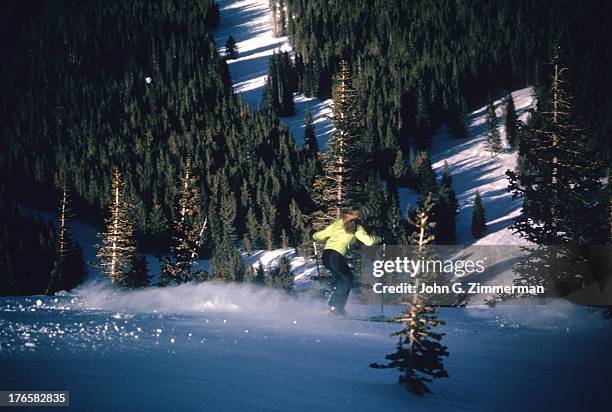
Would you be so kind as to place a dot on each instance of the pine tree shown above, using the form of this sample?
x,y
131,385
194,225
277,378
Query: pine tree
x,y
560,187
69,266
231,50
310,167
311,146
419,351
251,239
139,274
493,137
446,209
396,224
400,169
260,275
342,179
189,228
226,263
561,191
300,238
479,222
511,121
116,251
424,173
374,204
281,277
458,122
157,227
278,92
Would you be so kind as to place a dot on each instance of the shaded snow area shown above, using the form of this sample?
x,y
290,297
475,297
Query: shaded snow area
x,y
472,168
229,348
249,22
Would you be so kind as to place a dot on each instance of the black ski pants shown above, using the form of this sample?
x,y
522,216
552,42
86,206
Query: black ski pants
x,y
336,264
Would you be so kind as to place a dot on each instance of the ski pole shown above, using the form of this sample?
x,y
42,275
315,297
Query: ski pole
x,y
314,244
382,295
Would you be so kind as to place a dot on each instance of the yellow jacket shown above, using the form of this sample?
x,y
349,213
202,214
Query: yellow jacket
x,y
340,240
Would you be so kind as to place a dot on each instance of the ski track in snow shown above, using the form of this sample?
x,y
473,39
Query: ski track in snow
x,y
250,23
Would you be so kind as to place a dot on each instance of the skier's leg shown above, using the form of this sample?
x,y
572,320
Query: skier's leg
x,y
325,260
344,280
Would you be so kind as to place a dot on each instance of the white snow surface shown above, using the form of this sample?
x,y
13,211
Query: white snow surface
x,y
249,22
234,347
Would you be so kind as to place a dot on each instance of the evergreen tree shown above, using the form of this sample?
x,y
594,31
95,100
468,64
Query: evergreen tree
x,y
139,274
231,50
511,121
311,146
28,250
188,230
561,191
424,173
561,186
400,169
493,137
116,251
458,121
342,179
479,222
251,239
396,224
281,277
419,352
299,228
260,275
374,204
69,266
157,228
310,169
279,90
227,264
446,209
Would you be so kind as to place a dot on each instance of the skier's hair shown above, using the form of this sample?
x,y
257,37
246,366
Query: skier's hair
x,y
351,218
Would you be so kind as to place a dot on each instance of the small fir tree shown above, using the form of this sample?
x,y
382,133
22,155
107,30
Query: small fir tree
x,y
419,352
400,168
116,251
139,274
493,137
69,266
479,222
511,121
231,49
446,209
311,146
281,277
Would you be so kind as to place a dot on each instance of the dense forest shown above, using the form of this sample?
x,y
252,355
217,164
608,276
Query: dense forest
x,y
421,63
127,110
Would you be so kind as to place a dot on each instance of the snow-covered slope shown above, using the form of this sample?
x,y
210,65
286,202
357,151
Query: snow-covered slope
x,y
249,22
233,348
473,169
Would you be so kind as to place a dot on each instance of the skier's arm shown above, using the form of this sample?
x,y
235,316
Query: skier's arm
x,y
324,234
366,239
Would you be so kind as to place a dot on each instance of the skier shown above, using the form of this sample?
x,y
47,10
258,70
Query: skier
x,y
341,235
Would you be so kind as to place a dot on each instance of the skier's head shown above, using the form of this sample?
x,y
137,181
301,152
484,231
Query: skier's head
x,y
351,218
